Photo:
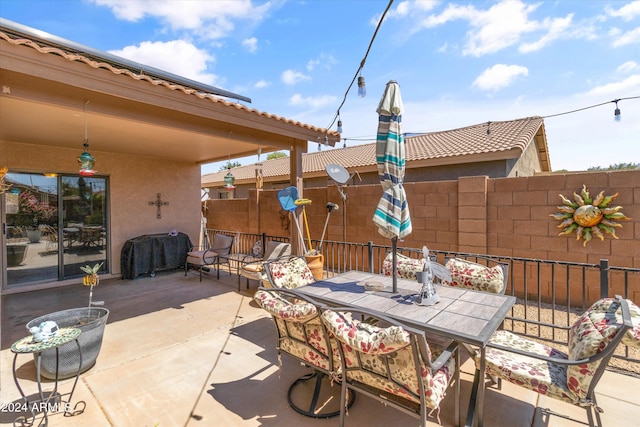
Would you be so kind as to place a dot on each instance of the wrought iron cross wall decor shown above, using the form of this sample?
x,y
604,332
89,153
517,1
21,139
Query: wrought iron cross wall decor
x,y
158,203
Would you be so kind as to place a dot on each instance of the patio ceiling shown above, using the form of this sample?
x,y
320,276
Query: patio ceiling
x,y
44,91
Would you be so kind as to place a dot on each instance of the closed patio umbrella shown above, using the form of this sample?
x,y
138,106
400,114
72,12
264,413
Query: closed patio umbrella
x,y
392,213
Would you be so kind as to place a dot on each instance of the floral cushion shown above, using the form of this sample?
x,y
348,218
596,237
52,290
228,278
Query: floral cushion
x,y
290,274
282,308
367,338
589,335
406,267
366,347
535,374
475,276
300,333
632,336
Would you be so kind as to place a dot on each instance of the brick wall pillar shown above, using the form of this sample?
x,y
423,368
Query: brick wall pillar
x,y
472,214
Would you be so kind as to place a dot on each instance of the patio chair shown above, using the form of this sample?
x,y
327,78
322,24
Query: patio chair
x,y
252,267
302,337
476,276
218,253
394,365
406,266
51,234
289,273
570,377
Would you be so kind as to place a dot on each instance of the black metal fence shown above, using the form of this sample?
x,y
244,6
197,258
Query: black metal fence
x,y
550,294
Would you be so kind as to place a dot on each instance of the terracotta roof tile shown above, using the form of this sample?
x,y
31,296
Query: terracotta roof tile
x,y
90,61
504,137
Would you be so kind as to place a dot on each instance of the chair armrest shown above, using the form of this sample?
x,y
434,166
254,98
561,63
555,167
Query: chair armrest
x,y
444,357
208,257
253,261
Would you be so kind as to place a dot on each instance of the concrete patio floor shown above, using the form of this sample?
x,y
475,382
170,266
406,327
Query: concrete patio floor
x,y
180,352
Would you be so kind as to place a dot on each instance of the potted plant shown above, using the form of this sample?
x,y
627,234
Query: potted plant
x,y
31,213
90,320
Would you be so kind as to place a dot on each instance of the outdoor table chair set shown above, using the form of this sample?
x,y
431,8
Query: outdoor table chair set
x,y
369,346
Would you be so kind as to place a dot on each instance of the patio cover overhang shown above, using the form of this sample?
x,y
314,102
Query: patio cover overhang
x,y
44,89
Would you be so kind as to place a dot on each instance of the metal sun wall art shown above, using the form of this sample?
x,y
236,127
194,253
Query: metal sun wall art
x,y
589,216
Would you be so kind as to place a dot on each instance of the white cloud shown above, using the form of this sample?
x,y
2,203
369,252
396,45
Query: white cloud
x,y
261,84
505,24
177,57
556,28
630,85
407,8
211,19
630,37
324,59
499,76
314,102
628,67
500,26
251,44
292,77
627,12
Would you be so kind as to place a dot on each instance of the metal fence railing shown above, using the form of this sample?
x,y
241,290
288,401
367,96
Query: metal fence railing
x,y
550,294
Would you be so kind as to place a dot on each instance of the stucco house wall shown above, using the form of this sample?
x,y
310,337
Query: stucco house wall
x,y
134,182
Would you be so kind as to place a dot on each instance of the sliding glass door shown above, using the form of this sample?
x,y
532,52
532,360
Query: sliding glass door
x,y
84,223
53,225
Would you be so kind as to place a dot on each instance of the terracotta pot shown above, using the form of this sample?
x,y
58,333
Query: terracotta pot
x,y
316,265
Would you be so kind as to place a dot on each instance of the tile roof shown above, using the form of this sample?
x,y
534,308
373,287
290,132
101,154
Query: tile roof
x,y
507,139
97,62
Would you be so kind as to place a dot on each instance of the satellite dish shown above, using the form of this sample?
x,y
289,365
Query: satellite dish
x,y
338,173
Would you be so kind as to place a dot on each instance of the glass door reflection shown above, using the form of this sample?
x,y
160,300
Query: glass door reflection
x,y
84,223
31,218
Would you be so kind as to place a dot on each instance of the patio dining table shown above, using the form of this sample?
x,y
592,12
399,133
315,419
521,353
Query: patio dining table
x,y
466,316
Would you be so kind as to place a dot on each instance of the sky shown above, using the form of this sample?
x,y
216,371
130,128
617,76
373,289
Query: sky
x,y
458,63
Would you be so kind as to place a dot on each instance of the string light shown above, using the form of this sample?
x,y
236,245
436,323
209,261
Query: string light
x,y
362,90
362,87
616,112
617,116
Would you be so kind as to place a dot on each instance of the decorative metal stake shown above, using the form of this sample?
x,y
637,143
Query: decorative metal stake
x,y
428,295
158,203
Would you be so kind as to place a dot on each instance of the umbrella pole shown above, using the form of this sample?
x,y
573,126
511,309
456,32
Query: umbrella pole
x,y
394,269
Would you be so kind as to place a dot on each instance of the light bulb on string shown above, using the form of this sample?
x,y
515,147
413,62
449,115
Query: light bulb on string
x,y
339,129
362,87
616,113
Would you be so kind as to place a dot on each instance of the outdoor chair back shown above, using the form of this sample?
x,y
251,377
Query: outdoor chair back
x,y
573,376
394,364
406,266
492,276
290,273
217,254
252,267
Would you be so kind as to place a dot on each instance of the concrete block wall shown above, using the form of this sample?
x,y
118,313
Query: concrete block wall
x,y
497,216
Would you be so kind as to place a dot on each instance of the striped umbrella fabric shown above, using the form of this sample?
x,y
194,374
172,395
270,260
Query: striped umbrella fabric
x,y
392,213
